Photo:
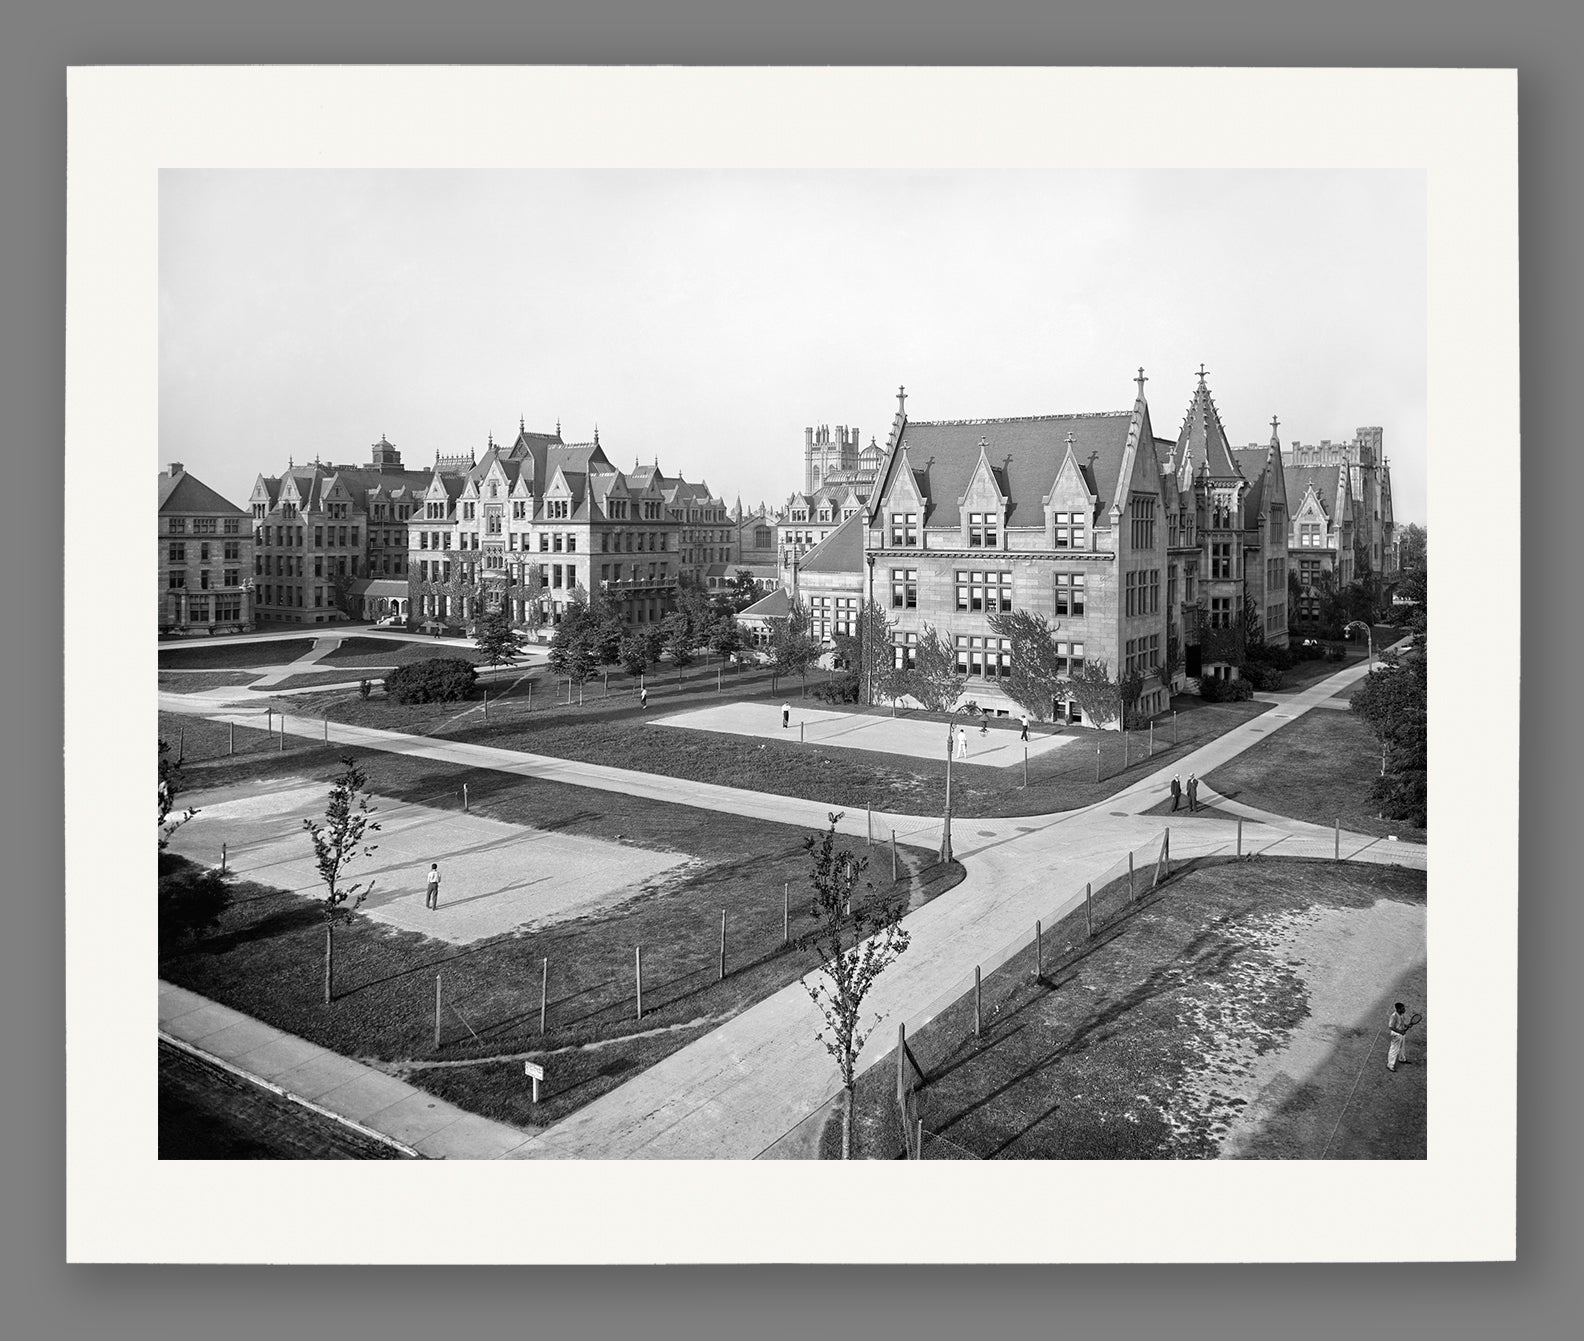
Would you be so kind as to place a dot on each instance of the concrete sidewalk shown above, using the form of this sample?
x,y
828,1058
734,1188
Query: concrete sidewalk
x,y
330,1083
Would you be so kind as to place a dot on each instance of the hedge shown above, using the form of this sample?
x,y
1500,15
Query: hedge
x,y
437,680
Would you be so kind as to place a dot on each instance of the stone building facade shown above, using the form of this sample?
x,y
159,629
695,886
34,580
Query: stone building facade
x,y
1320,543
205,559
1374,524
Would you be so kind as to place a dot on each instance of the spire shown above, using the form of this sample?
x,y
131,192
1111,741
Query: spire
x,y
596,435
1141,379
522,424
901,400
1275,440
558,426
1201,373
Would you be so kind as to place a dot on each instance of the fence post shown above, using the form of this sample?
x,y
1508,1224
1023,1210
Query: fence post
x,y
1152,738
1039,952
918,1133
800,733
327,728
230,737
1097,763
1089,909
222,858
281,747
786,915
464,798
1336,854
1166,852
544,992
1240,836
1174,726
977,1002
723,947
269,721
638,976
901,1069
1025,765
437,1010
869,826
529,708
718,670
486,705
1131,893
893,857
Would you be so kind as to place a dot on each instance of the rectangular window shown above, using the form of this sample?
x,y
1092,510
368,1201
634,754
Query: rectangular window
x,y
904,588
1220,560
1069,530
1069,593
904,530
982,530
555,575
178,580
1220,612
1070,657
905,651
178,553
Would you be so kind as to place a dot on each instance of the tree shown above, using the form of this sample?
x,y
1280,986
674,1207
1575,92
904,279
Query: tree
x,y
742,592
572,650
1037,675
170,787
636,653
497,641
677,631
934,679
855,941
793,646
867,650
1093,690
337,843
1395,701
1412,548
725,638
606,637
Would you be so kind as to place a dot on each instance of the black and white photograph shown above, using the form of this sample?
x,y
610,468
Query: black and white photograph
x,y
848,662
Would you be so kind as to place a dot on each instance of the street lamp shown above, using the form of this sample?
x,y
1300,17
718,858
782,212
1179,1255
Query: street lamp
x,y
1369,637
968,709
865,631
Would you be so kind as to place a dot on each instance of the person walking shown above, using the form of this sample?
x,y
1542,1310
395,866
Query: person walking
x,y
1398,1023
962,742
1176,791
786,715
1025,728
643,696
432,886
1193,792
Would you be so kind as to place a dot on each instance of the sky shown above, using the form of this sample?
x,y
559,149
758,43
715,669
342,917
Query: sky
x,y
704,319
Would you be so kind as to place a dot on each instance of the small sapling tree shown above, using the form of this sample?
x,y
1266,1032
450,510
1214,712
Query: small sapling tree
x,y
337,843
497,641
855,940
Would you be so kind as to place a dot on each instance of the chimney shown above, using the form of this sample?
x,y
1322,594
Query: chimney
x,y
175,469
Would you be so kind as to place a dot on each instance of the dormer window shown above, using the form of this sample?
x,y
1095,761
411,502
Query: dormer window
x,y
904,530
467,511
981,530
558,509
1069,530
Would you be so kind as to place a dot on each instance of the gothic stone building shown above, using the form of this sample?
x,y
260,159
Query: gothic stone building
x,y
330,541
1126,542
536,525
205,558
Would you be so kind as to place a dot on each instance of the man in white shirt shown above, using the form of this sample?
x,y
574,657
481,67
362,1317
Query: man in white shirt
x,y
1398,1024
432,886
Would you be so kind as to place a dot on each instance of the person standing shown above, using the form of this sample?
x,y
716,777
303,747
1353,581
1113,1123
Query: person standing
x,y
1398,1023
1024,720
1176,791
962,742
786,716
1193,792
432,886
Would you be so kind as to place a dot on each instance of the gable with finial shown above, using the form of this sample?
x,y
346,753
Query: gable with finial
x,y
1072,491
986,494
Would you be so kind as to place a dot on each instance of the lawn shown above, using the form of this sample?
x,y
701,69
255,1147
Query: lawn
x,y
231,656
194,682
266,959
1233,1013
1318,768
534,717
392,652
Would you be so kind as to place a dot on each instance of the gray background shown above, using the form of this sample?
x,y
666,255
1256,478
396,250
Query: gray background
x,y
44,1298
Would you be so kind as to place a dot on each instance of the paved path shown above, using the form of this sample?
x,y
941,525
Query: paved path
x,y
331,1083
737,1091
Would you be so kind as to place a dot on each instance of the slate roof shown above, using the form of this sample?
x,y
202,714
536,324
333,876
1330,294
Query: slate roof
x,y
840,552
1251,463
776,605
1025,453
186,493
1326,481
1202,439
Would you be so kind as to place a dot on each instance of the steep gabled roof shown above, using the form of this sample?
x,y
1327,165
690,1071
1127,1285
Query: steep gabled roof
x,y
1025,453
776,605
1202,440
1253,463
1328,482
186,493
840,552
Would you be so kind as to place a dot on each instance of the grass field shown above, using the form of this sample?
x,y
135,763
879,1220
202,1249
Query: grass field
x,y
195,682
392,652
267,957
233,655
1318,768
614,731
1236,1013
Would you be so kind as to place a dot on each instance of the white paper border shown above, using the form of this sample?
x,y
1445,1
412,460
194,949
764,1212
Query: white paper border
x,y
1459,127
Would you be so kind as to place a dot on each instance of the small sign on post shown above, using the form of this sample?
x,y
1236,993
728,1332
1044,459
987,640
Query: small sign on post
x,y
534,1072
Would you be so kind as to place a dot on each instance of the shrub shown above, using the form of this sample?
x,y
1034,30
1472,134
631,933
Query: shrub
x,y
191,897
438,680
1224,691
843,689
1262,676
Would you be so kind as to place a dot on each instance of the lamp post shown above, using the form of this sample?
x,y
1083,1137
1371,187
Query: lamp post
x,y
1369,637
865,630
968,709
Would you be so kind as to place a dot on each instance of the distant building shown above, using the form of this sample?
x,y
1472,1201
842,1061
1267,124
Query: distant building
x,y
1374,530
205,558
753,547
838,478
330,541
1320,544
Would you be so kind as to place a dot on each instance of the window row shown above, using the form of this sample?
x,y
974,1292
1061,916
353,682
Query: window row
x,y
203,525
1141,655
984,591
1141,594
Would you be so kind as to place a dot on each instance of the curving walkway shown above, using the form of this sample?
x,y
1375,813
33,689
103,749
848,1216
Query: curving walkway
x,y
737,1091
